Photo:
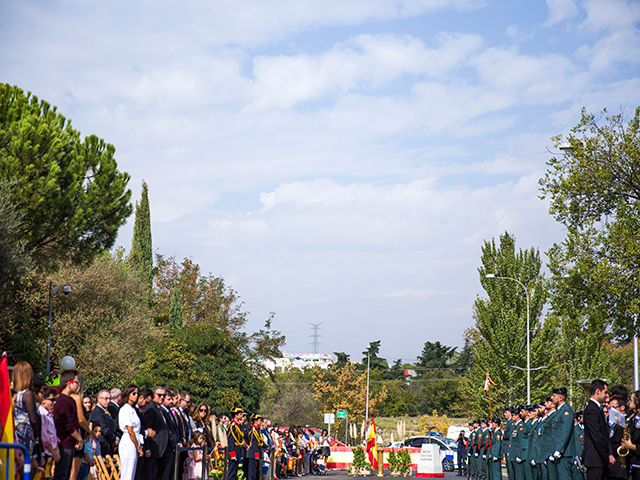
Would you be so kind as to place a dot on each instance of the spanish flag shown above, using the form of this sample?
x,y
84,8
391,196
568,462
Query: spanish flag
x,y
372,451
7,469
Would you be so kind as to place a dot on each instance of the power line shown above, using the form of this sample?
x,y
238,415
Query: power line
x,y
315,335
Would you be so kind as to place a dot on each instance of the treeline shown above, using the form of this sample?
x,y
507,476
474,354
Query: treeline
x,y
129,316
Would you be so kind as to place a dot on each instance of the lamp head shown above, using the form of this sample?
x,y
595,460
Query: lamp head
x,y
66,289
490,275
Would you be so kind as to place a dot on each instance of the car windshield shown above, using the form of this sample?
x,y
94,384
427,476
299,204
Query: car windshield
x,y
449,443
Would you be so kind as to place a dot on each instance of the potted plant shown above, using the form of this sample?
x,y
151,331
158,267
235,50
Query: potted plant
x,y
394,463
404,462
360,465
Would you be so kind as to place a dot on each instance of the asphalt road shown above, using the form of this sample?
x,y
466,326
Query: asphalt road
x,y
342,475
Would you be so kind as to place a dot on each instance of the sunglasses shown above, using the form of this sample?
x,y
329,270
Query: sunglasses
x,y
203,410
51,399
160,394
72,381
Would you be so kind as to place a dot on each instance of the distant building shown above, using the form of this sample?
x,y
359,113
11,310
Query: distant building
x,y
299,360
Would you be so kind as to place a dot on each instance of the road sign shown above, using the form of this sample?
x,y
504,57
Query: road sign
x,y
329,418
341,414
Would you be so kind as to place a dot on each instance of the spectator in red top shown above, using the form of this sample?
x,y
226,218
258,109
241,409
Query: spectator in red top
x,y
65,415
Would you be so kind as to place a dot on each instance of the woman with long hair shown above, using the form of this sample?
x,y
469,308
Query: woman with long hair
x,y
25,412
202,419
633,443
130,446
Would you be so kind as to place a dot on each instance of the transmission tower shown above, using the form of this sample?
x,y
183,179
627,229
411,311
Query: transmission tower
x,y
315,335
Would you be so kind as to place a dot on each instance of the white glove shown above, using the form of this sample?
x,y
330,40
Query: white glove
x,y
475,454
484,456
533,463
557,454
495,459
551,458
518,459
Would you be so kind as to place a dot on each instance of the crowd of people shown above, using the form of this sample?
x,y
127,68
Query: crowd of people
x,y
157,433
548,441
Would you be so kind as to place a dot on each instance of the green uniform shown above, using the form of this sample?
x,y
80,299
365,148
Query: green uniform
x,y
473,454
562,441
495,455
534,457
484,447
526,454
506,439
516,449
549,470
578,442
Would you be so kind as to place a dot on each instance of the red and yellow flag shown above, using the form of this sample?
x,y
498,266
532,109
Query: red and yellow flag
x,y
6,420
372,451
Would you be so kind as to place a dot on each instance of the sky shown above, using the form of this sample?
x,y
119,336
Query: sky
x,y
337,162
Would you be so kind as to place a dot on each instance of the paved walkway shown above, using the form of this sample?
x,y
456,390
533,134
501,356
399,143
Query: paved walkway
x,y
342,475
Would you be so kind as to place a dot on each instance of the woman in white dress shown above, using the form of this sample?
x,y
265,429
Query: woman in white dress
x,y
130,447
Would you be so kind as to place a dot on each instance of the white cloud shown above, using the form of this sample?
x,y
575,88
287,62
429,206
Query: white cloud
x,y
611,15
560,10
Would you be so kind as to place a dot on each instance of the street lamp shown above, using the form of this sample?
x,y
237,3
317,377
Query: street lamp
x,y
366,414
66,289
528,294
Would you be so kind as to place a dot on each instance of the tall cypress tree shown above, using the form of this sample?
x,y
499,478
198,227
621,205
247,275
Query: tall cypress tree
x,y
142,247
175,310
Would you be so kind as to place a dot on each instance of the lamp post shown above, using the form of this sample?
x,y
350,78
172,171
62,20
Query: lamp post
x,y
66,289
527,291
366,414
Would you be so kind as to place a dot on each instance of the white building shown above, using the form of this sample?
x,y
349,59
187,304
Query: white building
x,y
299,360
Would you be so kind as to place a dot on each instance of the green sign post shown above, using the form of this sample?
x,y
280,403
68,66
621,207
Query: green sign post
x,y
345,415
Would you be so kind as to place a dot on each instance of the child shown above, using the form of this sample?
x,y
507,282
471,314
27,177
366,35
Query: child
x,y
91,450
193,464
266,463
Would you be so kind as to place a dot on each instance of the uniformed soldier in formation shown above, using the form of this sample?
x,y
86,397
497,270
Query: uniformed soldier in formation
x,y
506,439
237,444
516,446
549,471
526,434
484,448
256,446
562,439
535,440
578,440
474,438
495,452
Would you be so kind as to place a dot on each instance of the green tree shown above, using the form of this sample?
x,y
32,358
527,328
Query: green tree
x,y
342,359
204,361
175,310
105,323
435,356
594,191
499,337
142,246
370,356
14,260
72,197
289,399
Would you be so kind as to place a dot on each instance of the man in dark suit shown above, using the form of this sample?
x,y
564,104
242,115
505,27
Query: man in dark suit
x,y
157,445
597,452
144,398
101,416
166,462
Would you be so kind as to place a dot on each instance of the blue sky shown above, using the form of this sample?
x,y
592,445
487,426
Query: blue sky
x,y
336,161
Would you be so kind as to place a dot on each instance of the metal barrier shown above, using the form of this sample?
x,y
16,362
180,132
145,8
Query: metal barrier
x,y
27,458
205,462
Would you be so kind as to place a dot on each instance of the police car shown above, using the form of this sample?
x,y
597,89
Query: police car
x,y
448,448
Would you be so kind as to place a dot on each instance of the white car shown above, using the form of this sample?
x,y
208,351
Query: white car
x,y
448,448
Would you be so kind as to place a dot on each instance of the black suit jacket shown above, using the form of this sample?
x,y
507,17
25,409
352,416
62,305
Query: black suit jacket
x,y
172,427
596,437
153,419
109,430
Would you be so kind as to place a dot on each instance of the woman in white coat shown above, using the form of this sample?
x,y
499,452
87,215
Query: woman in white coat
x,y
130,446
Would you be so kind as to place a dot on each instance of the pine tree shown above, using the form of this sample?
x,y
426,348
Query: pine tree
x,y
142,248
175,310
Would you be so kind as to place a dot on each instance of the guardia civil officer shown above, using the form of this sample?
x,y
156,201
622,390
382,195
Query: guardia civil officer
x,y
516,446
525,414
495,451
474,439
237,443
578,441
484,447
562,439
506,438
549,470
